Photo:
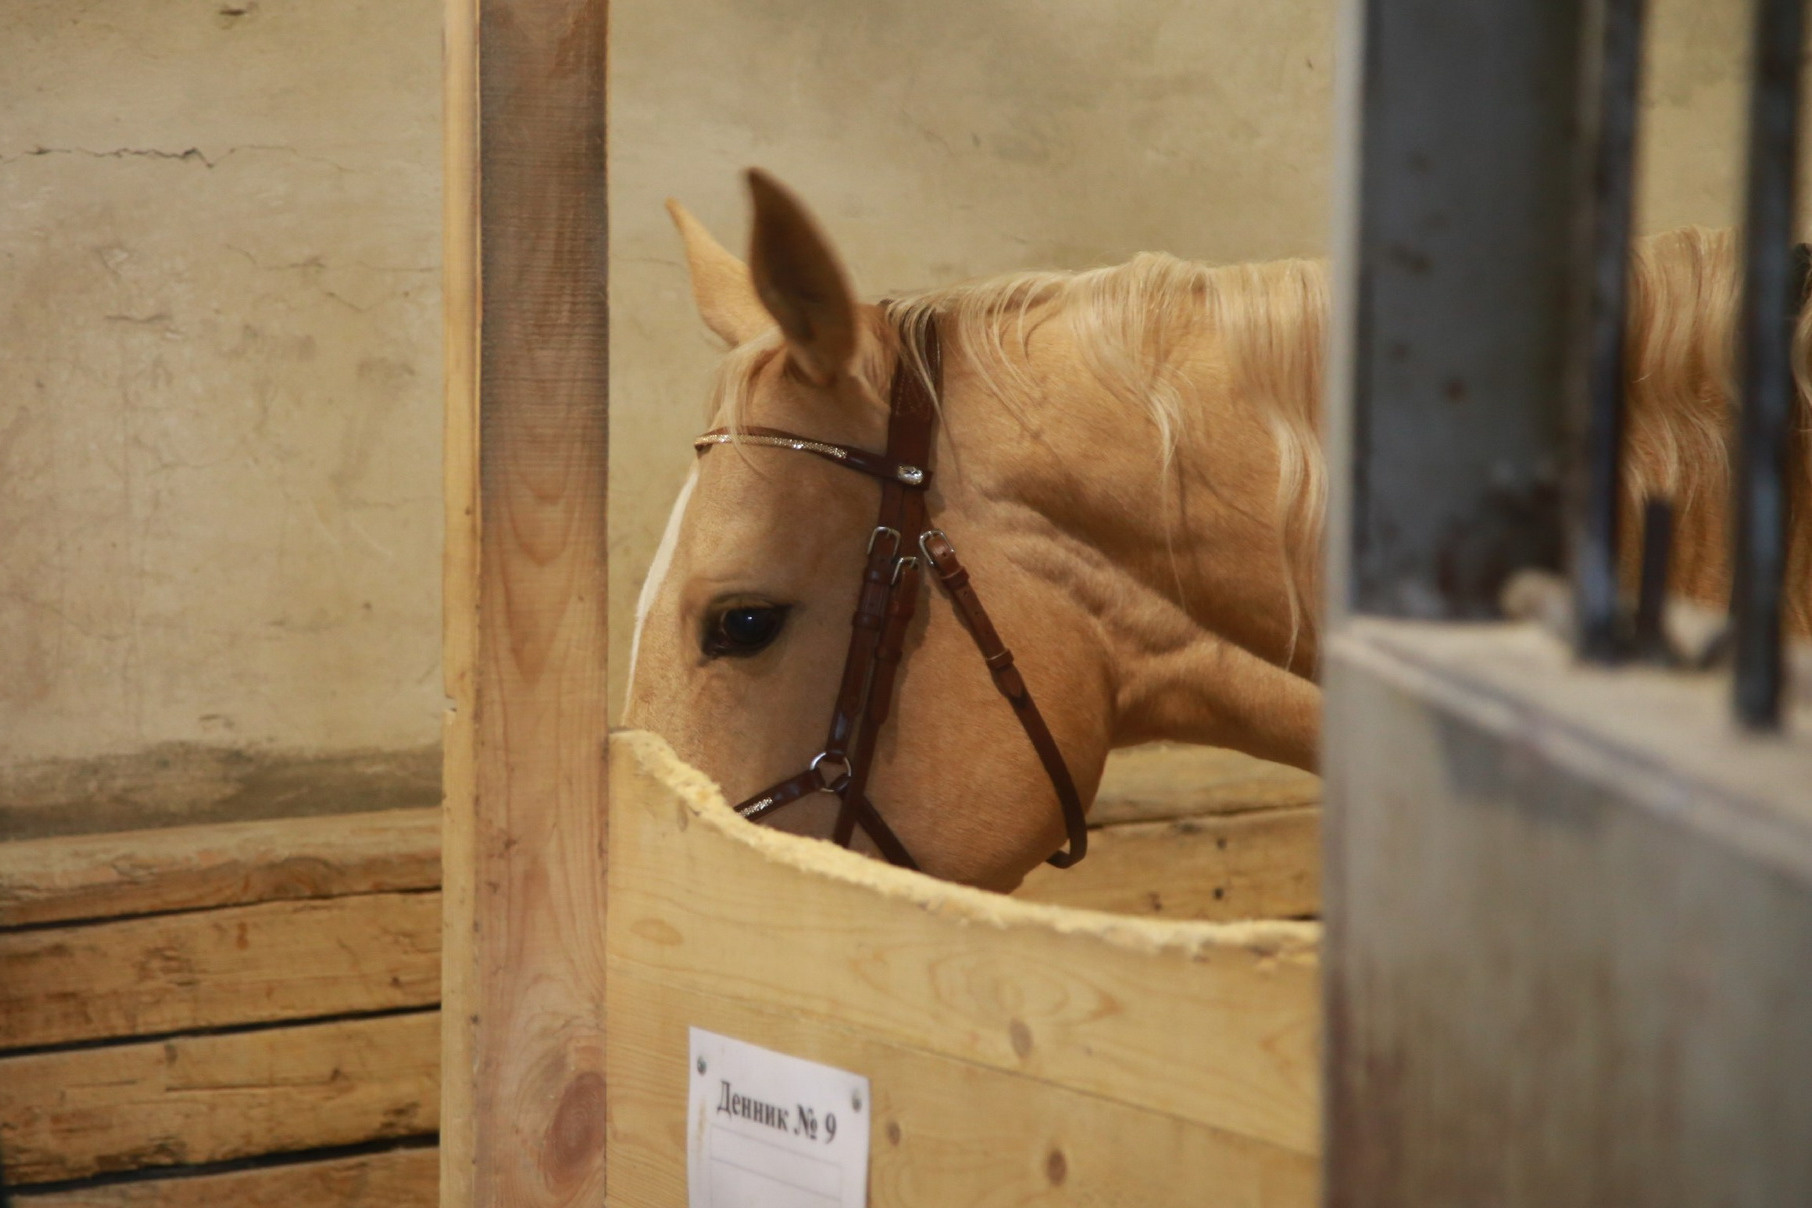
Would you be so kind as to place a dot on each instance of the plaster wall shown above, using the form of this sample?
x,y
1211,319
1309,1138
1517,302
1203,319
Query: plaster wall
x,y
946,139
219,297
219,375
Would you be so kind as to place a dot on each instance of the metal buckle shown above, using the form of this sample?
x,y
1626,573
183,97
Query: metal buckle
x,y
890,531
899,568
929,560
825,784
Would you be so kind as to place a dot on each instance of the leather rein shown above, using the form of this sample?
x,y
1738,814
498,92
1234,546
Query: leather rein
x,y
891,578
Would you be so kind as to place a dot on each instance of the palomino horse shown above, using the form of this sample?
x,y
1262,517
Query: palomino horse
x,y
1129,461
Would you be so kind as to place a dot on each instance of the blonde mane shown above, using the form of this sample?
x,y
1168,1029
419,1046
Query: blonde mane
x,y
1131,320
1270,319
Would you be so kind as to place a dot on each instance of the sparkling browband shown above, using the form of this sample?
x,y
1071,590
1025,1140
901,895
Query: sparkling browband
x,y
912,476
778,442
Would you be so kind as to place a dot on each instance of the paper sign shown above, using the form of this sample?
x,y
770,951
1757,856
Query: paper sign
x,y
765,1130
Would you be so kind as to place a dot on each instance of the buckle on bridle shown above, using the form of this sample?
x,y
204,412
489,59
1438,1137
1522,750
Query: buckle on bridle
x,y
825,783
899,568
890,531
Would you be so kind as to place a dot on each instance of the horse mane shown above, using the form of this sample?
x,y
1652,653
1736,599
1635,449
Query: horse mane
x,y
1681,365
1130,320
1270,321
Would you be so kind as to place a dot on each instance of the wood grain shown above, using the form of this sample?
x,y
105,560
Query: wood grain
x,y
1260,865
1170,780
942,1131
1213,1023
73,1113
224,864
213,968
527,423
400,1178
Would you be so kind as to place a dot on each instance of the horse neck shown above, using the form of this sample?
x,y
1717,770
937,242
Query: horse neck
x,y
1199,579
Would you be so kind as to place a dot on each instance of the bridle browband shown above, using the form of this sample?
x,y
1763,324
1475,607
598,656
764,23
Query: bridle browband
x,y
891,579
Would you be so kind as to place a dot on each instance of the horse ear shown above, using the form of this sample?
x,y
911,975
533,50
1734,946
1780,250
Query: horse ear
x,y
801,281
721,287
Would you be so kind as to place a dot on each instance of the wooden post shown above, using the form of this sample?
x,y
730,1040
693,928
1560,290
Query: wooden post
x,y
523,1062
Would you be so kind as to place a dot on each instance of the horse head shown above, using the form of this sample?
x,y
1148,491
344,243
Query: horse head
x,y
746,614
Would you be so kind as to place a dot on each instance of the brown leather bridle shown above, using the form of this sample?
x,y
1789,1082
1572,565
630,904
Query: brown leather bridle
x,y
884,609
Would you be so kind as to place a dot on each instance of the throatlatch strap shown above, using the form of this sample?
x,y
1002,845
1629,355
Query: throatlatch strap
x,y
954,579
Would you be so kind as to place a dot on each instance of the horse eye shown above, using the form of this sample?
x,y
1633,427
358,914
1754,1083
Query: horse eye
x,y
744,630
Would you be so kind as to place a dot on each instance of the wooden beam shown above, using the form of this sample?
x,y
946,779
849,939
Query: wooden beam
x,y
399,1178
70,1114
1260,865
217,968
225,864
1159,781
527,374
188,785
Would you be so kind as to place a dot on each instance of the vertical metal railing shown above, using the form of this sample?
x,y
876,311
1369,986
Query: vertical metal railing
x,y
1611,95
1770,306
1773,283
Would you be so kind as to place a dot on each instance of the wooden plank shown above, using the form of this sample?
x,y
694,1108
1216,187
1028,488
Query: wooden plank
x,y
214,968
191,867
942,1131
1171,780
399,1178
526,466
72,1113
1261,865
459,599
1212,1022
191,785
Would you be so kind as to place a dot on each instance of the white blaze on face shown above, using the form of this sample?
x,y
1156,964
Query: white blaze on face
x,y
658,569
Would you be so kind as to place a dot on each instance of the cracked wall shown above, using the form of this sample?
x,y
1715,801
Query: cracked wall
x,y
946,139
219,376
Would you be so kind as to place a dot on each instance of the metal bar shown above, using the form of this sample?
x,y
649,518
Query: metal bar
x,y
1770,301
1466,237
1596,375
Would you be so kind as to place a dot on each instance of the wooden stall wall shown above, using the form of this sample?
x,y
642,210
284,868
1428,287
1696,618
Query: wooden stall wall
x,y
308,949
1018,1052
1195,833
243,1014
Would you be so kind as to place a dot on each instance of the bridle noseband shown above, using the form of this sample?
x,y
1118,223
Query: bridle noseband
x,y
891,578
